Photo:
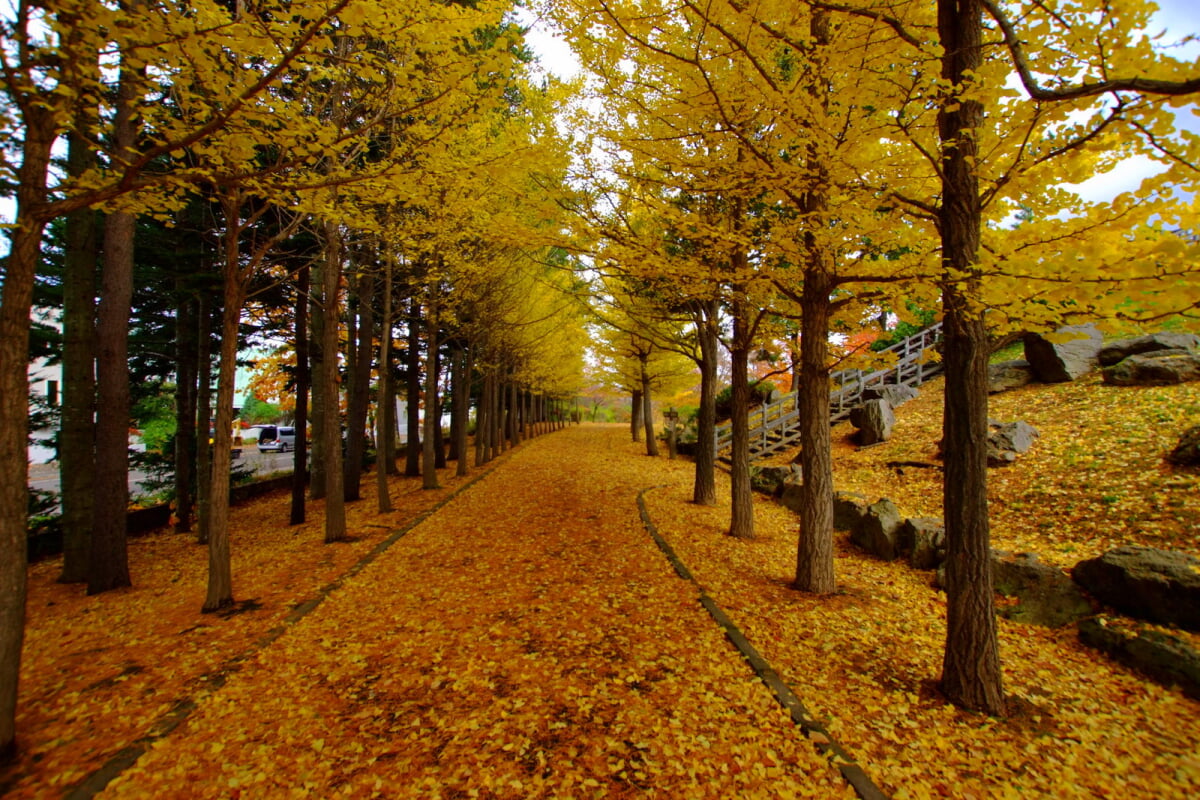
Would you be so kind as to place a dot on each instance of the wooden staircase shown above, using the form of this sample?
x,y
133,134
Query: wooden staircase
x,y
773,426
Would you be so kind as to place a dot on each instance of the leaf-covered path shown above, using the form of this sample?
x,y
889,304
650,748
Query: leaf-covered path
x,y
526,640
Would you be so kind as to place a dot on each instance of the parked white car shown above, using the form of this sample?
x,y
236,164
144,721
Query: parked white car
x,y
280,438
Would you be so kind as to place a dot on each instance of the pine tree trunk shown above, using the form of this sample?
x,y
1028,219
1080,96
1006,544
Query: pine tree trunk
x,y
971,675
108,563
77,437
741,523
303,381
704,486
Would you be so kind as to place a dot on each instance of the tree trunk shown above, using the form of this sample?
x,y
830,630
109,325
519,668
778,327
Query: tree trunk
x,y
316,372
462,408
814,554
741,522
359,370
203,419
108,564
429,477
704,485
386,432
971,675
648,415
335,498
412,451
77,437
16,302
636,409
187,348
220,568
303,380
439,437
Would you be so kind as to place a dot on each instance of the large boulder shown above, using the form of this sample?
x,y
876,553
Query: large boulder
x,y
1166,658
1186,452
1007,440
1117,351
1006,375
849,508
1073,353
1156,585
874,420
877,531
924,540
1046,594
1159,368
896,394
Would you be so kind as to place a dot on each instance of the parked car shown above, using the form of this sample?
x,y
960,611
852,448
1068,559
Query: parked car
x,y
279,438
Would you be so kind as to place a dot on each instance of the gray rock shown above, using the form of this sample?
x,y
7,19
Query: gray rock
x,y
1159,368
1163,657
1007,375
1157,585
1186,452
1047,595
924,540
790,497
771,480
896,395
877,531
874,420
1064,361
1117,351
1007,440
849,508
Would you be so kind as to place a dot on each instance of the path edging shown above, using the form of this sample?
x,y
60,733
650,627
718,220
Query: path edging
x,y
812,729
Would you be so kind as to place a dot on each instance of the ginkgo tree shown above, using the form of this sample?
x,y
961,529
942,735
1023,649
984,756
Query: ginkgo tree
x,y
768,123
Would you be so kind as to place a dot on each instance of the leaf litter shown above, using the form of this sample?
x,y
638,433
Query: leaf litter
x,y
528,640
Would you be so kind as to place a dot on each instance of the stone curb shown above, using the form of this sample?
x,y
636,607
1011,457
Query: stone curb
x,y
812,729
125,758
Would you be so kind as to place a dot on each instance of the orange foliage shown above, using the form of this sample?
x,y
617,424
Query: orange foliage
x,y
528,640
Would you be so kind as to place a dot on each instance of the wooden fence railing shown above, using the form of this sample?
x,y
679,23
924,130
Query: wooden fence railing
x,y
773,425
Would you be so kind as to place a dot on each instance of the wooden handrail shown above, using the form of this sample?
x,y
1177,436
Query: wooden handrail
x,y
910,369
